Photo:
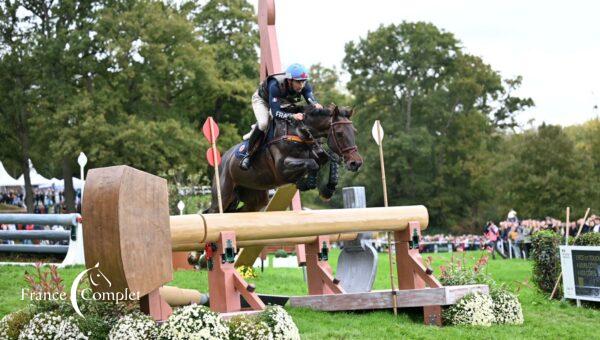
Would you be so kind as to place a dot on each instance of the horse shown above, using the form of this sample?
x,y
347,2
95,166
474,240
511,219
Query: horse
x,y
294,155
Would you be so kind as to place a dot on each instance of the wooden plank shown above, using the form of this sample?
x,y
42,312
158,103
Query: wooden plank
x,y
282,198
278,243
279,202
454,293
383,299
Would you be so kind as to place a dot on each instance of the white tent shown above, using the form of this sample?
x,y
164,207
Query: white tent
x,y
6,180
36,179
60,184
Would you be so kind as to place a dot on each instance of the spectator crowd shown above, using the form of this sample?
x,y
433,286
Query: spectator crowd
x,y
510,238
46,201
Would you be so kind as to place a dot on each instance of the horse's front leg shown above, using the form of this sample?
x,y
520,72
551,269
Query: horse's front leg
x,y
309,181
295,168
326,191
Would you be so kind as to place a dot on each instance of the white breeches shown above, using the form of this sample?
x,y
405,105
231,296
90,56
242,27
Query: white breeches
x,y
261,112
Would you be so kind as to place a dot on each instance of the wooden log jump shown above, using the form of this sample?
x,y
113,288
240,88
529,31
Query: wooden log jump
x,y
129,232
188,231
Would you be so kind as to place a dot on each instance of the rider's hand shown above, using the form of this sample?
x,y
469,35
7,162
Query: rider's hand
x,y
298,116
318,106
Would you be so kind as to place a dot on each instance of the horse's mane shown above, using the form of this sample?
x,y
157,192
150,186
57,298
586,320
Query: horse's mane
x,y
325,111
313,111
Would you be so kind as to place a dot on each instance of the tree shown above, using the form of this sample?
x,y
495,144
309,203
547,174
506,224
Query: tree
x,y
134,82
439,107
546,174
18,90
229,27
327,87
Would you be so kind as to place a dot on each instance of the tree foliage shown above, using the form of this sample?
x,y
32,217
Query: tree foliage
x,y
439,107
132,81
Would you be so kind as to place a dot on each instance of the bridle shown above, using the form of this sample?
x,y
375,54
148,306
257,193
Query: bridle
x,y
347,150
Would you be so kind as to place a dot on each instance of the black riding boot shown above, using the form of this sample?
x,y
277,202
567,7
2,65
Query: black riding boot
x,y
253,145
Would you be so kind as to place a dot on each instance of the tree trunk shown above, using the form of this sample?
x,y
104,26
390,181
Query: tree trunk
x,y
408,109
69,190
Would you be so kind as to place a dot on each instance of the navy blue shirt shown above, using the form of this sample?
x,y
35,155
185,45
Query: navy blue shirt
x,y
277,98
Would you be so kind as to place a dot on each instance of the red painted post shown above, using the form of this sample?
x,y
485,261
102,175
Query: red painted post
x,y
224,282
270,62
318,272
155,306
412,274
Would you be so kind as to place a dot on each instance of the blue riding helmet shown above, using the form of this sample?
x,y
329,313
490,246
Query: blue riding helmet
x,y
296,72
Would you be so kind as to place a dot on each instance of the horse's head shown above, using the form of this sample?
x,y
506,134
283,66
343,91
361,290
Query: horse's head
x,y
334,123
342,139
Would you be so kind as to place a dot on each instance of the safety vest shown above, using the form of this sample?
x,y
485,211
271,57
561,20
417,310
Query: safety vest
x,y
290,98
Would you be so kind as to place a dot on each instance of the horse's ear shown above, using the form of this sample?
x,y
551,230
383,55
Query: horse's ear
x,y
351,112
336,111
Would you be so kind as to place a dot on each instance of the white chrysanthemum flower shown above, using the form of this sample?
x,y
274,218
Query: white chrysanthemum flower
x,y
4,324
249,328
475,309
507,308
281,324
51,326
135,326
194,322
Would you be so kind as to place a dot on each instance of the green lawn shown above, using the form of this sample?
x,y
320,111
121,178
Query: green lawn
x,y
543,319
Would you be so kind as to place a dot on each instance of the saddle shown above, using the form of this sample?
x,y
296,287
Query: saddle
x,y
270,138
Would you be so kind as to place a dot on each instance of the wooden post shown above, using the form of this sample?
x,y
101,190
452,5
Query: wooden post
x,y
225,283
412,274
378,136
567,227
319,273
217,177
576,236
155,306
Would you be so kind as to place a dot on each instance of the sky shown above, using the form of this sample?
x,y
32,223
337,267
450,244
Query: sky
x,y
554,45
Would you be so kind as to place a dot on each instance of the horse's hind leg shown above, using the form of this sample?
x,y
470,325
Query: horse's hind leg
x,y
254,200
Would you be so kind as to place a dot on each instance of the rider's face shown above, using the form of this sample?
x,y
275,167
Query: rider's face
x,y
298,85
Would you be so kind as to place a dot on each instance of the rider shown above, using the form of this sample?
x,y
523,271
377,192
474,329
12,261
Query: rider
x,y
277,92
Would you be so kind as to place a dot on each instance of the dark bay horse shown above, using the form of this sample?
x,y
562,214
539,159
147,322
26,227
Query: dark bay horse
x,y
294,155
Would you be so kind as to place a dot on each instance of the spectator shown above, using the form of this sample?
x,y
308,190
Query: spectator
x,y
526,232
514,236
492,235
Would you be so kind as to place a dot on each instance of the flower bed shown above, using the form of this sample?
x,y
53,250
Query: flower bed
x,y
499,307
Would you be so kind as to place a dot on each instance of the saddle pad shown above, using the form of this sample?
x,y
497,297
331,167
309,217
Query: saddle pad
x,y
241,150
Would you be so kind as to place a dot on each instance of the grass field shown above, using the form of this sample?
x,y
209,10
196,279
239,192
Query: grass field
x,y
543,319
